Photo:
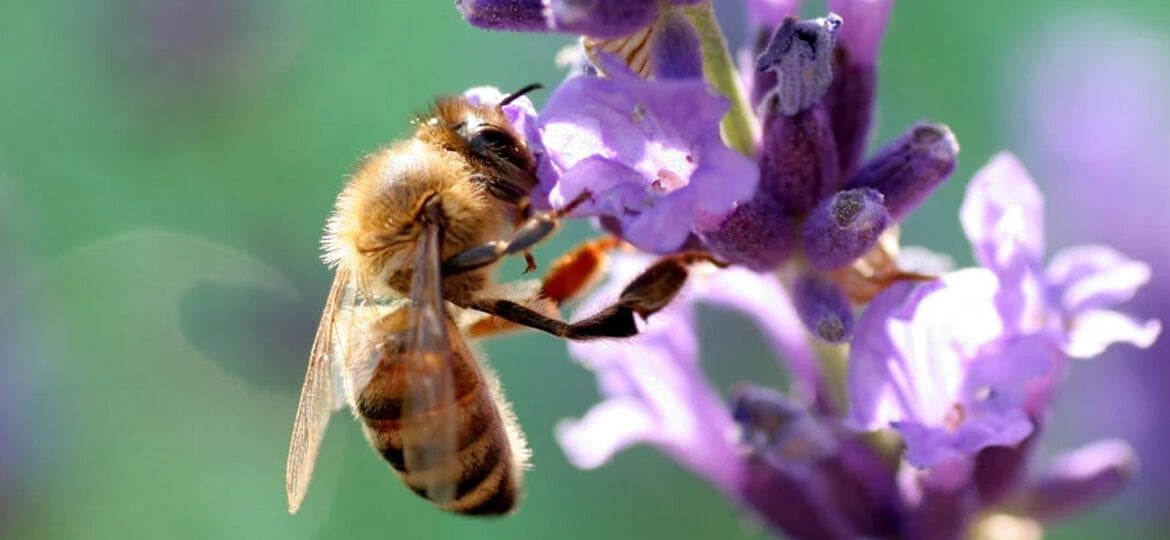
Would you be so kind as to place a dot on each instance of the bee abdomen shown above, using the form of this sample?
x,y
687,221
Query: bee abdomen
x,y
484,475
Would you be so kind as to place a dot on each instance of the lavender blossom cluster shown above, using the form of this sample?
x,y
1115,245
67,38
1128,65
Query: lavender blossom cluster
x,y
917,419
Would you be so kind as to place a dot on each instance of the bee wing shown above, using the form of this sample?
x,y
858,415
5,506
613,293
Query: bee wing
x,y
430,445
318,395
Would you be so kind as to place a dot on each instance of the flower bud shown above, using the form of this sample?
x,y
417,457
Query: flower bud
x,y
513,15
798,158
823,308
843,228
801,53
759,234
910,168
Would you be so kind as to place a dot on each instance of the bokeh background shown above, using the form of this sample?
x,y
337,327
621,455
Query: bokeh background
x,y
166,167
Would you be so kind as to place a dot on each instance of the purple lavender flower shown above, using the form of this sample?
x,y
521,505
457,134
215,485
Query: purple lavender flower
x,y
968,361
649,153
962,367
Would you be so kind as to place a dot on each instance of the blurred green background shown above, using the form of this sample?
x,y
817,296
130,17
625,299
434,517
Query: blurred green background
x,y
165,170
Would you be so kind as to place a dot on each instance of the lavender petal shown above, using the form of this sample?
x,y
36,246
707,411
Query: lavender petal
x,y
1003,215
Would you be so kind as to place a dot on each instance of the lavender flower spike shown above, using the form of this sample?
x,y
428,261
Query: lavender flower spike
x,y
650,153
599,18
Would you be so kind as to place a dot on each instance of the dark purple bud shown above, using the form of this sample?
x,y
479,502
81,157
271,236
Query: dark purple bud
x,y
798,158
850,102
605,19
801,53
910,168
758,234
823,308
1078,481
676,52
843,228
514,15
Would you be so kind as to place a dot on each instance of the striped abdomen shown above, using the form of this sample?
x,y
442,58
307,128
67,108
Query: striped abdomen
x,y
485,464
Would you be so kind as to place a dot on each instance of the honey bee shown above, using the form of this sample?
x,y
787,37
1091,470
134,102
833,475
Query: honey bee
x,y
414,238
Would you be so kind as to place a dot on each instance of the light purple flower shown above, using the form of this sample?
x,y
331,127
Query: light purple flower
x,y
1003,217
649,153
654,388
966,362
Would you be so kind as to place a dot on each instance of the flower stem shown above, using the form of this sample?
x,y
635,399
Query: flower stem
x,y
739,126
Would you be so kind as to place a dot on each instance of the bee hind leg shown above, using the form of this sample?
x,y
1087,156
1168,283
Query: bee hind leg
x,y
648,293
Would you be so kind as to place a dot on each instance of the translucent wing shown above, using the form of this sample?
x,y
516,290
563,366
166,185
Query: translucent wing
x,y
430,443
317,395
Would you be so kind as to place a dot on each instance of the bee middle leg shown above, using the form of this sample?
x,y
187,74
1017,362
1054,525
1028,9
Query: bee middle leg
x,y
647,294
569,276
529,233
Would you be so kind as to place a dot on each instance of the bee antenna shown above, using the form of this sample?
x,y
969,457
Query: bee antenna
x,y
517,94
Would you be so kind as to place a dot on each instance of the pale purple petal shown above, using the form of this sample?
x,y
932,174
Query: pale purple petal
x,y
911,347
1096,329
931,361
865,24
1003,215
608,428
928,446
655,392
1094,276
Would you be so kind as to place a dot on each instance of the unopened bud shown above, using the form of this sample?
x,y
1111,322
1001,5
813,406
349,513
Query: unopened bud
x,y
910,168
823,308
801,53
844,227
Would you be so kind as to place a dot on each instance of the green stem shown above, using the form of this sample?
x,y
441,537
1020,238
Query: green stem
x,y
739,126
